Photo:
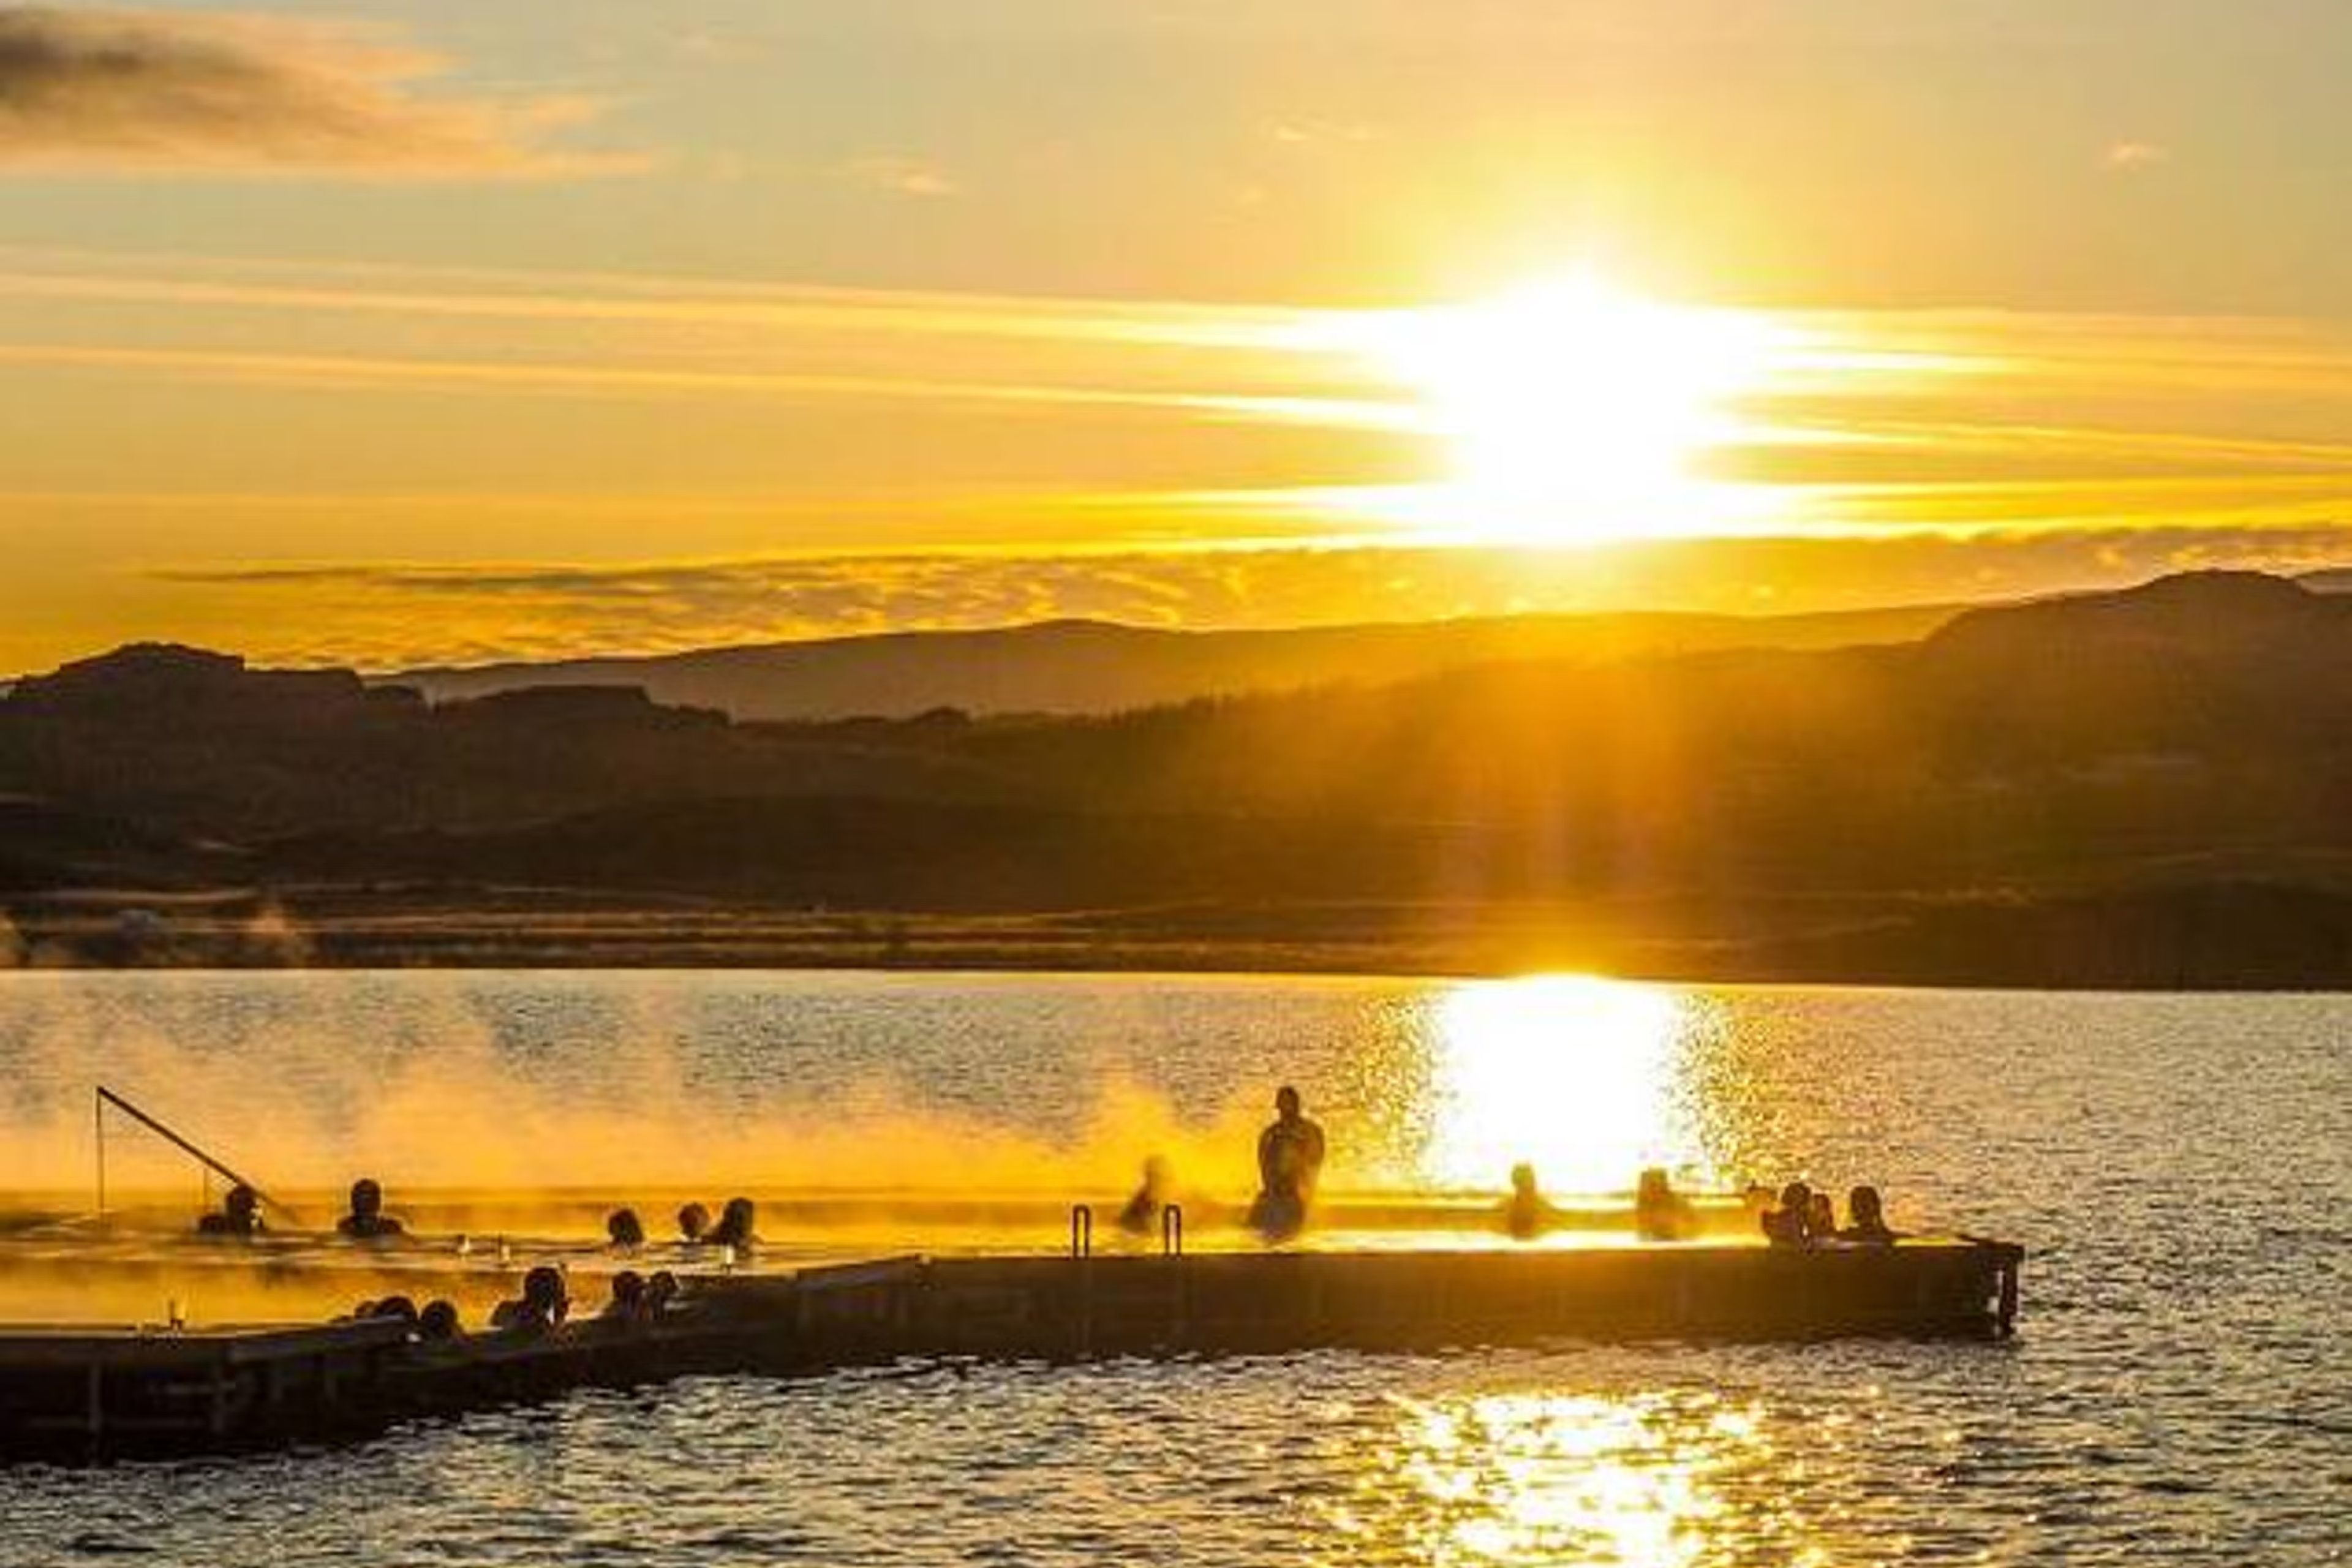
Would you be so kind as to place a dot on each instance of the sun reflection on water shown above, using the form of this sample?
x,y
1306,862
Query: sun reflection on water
x,y
1662,1480
1583,1077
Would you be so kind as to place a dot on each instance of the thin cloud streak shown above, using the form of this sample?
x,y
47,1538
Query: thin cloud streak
x,y
526,296
353,372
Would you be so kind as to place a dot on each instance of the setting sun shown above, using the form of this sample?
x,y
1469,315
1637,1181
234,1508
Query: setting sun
x,y
1575,1073
1574,413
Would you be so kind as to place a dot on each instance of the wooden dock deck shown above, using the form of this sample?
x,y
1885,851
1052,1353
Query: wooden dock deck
x,y
73,1394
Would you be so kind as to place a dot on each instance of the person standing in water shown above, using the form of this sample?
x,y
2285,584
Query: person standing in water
x,y
1289,1164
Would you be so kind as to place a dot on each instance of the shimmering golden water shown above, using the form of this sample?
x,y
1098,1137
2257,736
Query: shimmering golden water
x,y
2181,1391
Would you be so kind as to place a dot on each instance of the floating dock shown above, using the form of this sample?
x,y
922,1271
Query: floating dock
x,y
77,1394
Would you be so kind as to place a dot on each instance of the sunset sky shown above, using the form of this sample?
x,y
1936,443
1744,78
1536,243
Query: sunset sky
x,y
389,333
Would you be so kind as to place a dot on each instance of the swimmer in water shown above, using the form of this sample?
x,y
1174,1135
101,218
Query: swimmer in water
x,y
1659,1213
1142,1212
540,1310
367,1221
735,1226
1865,1215
1785,1225
628,1303
1526,1212
239,1216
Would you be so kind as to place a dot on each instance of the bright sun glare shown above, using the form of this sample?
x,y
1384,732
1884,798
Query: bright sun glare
x,y
1574,413
1577,1075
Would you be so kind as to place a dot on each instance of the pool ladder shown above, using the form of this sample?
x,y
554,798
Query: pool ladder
x,y
1082,1231
1082,1251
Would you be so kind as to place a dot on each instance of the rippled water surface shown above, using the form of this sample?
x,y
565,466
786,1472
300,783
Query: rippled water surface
x,y
2181,1168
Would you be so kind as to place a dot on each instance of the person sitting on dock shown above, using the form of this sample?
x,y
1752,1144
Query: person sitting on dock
x,y
660,1291
625,1230
735,1226
367,1221
1865,1215
1820,1219
693,1224
542,1308
1526,1214
1785,1225
438,1320
239,1216
1289,1164
1659,1213
1140,1215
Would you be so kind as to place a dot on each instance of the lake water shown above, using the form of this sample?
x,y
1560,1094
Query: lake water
x,y
2180,1391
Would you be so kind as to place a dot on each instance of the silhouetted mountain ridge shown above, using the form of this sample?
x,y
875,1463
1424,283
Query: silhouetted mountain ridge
x,y
1084,666
2038,756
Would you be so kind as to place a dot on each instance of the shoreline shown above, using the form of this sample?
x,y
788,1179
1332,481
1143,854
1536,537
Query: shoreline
x,y
1877,943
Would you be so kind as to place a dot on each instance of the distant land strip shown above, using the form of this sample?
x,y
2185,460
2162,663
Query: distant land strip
x,y
2149,787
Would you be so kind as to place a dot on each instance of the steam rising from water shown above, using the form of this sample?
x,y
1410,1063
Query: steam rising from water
x,y
528,1117
438,1099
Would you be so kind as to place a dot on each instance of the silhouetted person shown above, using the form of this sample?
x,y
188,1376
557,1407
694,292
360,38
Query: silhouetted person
x,y
398,1307
1866,1219
438,1321
1289,1164
693,1224
660,1291
239,1216
625,1230
1659,1213
1141,1215
735,1226
542,1308
1526,1214
1821,1218
367,1221
628,1303
1785,1225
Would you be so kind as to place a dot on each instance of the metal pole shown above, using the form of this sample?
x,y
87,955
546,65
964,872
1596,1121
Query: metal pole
x,y
97,1121
107,1097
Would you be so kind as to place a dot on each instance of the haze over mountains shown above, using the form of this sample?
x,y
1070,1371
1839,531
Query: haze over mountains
x,y
2151,787
1095,666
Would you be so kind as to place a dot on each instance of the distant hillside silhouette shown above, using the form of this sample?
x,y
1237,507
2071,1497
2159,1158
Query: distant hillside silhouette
x,y
2157,781
1094,667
